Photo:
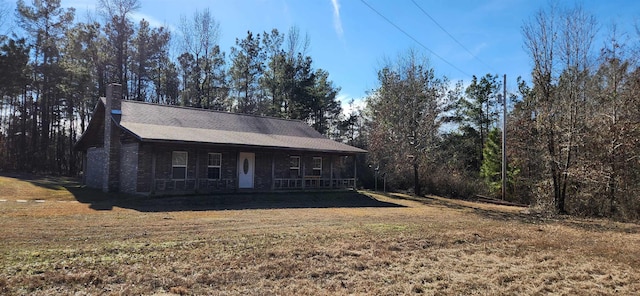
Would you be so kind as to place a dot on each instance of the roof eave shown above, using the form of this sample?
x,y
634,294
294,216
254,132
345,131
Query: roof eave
x,y
346,152
79,142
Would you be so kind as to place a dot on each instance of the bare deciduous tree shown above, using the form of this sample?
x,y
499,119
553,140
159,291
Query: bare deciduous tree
x,y
407,110
614,127
560,88
206,86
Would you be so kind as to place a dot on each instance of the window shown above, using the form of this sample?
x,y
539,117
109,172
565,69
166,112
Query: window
x,y
213,166
317,166
294,166
179,165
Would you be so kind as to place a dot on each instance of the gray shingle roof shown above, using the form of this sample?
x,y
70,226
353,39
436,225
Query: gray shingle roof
x,y
150,122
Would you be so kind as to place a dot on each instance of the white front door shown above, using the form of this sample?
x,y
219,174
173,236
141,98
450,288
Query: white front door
x,y
246,168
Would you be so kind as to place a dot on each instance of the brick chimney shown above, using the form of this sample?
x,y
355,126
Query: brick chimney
x,y
113,110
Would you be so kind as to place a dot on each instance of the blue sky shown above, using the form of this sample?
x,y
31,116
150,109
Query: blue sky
x,y
350,40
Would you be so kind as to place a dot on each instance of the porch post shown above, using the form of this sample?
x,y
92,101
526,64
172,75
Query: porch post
x,y
273,171
303,169
153,171
197,183
237,165
331,171
355,173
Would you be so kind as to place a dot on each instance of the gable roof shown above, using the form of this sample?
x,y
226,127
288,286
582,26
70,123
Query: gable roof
x,y
162,123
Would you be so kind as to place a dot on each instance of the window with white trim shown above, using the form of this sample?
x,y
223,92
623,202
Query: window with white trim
x,y
214,165
179,165
317,166
294,166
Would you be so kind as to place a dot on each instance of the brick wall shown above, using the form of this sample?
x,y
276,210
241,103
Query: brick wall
x,y
155,167
111,175
262,177
94,167
144,178
128,167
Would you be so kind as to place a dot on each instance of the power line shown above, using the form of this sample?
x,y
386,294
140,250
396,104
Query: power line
x,y
451,36
414,39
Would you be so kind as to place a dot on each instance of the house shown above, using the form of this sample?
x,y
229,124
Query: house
x,y
143,148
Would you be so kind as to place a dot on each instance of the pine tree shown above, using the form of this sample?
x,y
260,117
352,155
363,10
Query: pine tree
x,y
46,22
477,112
491,168
246,70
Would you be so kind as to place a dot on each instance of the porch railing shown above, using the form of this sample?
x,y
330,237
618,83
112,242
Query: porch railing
x,y
200,185
226,185
313,182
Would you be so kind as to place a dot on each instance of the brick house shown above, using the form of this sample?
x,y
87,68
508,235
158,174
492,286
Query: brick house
x,y
144,148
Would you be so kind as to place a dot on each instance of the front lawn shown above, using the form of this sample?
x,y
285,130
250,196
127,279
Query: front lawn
x,y
299,244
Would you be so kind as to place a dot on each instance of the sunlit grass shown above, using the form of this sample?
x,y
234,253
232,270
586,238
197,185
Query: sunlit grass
x,y
36,188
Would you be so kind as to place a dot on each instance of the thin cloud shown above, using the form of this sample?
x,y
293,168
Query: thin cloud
x,y
350,104
80,4
337,23
136,17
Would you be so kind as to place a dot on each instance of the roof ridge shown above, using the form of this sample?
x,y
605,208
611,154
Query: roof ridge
x,y
212,111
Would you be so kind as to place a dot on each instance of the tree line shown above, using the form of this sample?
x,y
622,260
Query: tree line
x,y
54,69
573,135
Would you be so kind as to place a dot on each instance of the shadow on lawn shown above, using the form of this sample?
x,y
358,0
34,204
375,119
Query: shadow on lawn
x,y
593,225
46,182
487,213
98,200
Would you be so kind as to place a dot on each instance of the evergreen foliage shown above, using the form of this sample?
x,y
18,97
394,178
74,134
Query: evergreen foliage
x,y
491,169
52,76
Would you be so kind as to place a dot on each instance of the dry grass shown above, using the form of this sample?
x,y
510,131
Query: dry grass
x,y
14,187
429,246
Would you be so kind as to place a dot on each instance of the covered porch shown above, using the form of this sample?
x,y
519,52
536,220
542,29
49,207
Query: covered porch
x,y
202,169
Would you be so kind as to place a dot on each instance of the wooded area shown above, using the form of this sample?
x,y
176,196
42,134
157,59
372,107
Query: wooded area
x,y
573,138
573,132
54,70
